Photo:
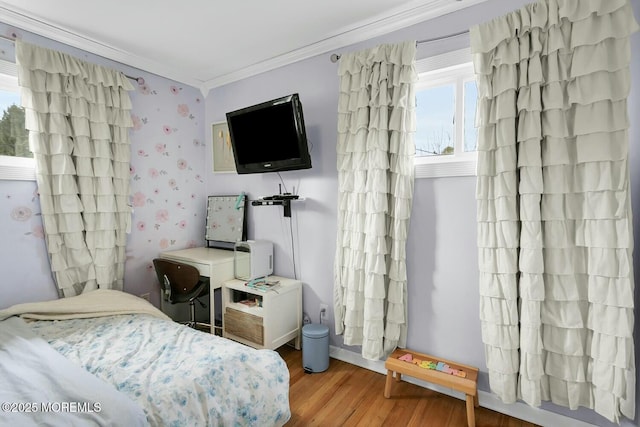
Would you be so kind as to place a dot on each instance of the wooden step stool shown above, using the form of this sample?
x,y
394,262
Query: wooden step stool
x,y
467,385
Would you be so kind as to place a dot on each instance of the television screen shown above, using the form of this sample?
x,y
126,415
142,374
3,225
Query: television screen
x,y
269,137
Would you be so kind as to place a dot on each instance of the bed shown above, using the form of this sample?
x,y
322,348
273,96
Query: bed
x,y
110,358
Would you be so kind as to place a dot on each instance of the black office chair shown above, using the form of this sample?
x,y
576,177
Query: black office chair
x,y
182,283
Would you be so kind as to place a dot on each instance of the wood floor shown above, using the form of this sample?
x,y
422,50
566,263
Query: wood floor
x,y
347,395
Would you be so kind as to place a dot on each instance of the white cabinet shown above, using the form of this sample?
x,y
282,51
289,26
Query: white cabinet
x,y
263,318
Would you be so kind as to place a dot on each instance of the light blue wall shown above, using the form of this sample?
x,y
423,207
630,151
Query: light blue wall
x,y
442,253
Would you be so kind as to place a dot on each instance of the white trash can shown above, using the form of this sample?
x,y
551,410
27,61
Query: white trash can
x,y
315,348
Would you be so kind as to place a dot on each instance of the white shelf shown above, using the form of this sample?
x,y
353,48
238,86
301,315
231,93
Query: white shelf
x,y
286,203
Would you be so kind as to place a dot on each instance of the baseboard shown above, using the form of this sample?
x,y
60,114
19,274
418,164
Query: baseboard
x,y
487,400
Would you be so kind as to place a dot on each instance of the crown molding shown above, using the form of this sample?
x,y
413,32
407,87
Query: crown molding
x,y
359,33
62,35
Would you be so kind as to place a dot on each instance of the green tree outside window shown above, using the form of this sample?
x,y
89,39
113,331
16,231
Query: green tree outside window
x,y
14,140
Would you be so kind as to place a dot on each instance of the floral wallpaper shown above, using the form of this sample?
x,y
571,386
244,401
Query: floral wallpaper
x,y
167,177
168,192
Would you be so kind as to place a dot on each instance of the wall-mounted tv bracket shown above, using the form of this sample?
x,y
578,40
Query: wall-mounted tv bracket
x,y
283,200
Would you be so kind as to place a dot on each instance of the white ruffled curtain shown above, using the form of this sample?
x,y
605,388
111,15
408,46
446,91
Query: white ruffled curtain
x,y
554,215
376,123
78,117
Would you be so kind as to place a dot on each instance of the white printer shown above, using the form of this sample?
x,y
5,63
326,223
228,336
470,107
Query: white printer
x,y
253,259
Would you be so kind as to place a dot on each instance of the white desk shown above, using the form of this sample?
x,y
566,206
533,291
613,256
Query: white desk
x,y
216,264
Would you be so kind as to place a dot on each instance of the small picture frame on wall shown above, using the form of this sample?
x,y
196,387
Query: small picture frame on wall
x,y
222,152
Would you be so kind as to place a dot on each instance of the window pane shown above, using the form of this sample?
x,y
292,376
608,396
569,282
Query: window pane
x,y
470,131
14,140
435,127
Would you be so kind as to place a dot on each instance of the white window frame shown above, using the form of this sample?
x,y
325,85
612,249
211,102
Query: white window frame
x,y
14,168
456,68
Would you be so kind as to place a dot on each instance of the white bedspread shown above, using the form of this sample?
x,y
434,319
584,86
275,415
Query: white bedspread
x,y
39,386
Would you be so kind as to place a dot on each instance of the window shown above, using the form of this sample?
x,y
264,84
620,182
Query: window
x,y
16,160
445,135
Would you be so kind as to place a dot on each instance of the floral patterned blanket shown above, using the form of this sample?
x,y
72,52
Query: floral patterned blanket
x,y
179,376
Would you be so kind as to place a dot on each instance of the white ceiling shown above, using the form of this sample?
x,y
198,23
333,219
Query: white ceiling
x,y
207,43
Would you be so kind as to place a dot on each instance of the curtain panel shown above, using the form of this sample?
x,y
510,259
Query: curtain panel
x,y
554,215
375,151
78,116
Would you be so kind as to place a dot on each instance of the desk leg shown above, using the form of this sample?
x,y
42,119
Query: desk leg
x,y
212,309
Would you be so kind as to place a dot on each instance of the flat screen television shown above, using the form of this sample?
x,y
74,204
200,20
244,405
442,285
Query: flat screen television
x,y
269,137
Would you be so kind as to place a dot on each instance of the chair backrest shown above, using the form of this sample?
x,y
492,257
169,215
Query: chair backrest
x,y
176,279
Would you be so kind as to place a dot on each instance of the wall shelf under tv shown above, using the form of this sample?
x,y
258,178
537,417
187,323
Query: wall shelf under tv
x,y
285,203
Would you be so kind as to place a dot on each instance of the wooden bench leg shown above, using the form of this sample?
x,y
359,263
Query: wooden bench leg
x,y
388,383
471,417
476,403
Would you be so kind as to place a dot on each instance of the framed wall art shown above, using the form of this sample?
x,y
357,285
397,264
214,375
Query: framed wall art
x,y
222,152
